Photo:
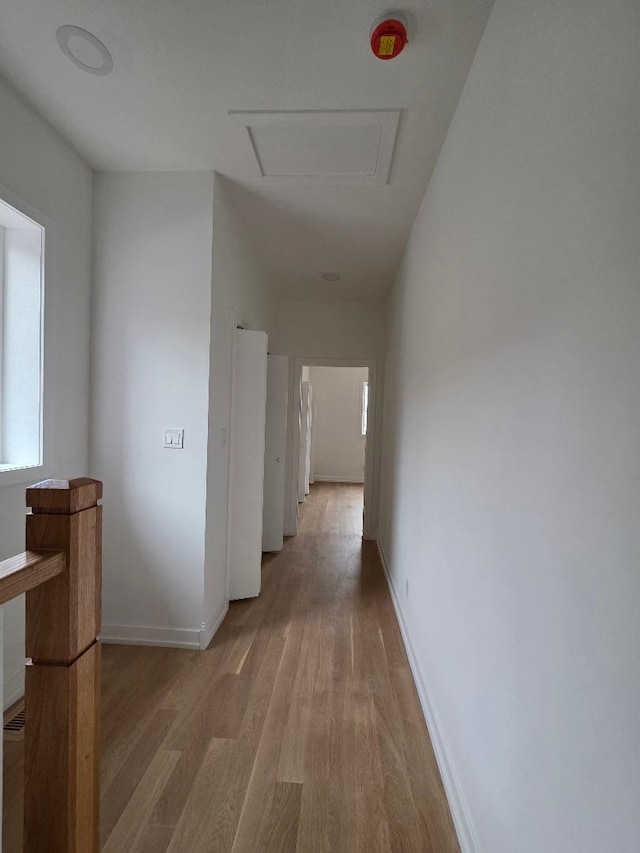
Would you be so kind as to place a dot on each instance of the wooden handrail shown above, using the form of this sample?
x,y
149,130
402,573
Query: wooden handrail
x,y
27,570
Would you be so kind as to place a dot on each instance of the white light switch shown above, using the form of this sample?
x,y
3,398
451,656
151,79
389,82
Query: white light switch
x,y
174,439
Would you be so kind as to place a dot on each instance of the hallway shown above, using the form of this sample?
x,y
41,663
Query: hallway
x,y
299,729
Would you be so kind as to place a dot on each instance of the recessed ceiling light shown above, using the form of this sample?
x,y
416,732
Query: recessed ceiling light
x,y
84,49
331,276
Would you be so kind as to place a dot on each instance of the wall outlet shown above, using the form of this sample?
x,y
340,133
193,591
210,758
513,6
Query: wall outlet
x,y
406,587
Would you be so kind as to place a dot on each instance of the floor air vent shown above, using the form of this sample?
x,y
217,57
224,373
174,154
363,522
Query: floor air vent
x,y
13,728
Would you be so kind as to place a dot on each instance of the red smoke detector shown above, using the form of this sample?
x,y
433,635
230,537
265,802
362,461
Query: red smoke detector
x,y
389,35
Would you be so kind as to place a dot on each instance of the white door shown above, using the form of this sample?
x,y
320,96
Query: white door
x,y
307,463
246,466
275,452
304,427
312,440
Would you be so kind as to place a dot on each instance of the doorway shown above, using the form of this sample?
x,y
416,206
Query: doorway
x,y
332,429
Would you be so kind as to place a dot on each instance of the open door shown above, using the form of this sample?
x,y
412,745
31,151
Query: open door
x,y
304,439
246,466
309,441
275,452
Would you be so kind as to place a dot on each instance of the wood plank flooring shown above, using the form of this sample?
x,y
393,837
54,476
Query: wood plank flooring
x,y
298,731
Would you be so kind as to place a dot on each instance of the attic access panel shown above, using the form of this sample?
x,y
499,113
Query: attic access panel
x,y
319,146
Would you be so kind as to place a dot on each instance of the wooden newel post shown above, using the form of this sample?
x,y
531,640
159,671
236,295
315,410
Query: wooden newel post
x,y
62,734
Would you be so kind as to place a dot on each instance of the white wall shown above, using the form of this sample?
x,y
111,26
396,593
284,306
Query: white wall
x,y
151,311
511,479
332,329
339,445
241,294
45,173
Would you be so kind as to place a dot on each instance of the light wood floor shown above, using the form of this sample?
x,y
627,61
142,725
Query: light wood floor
x,y
299,729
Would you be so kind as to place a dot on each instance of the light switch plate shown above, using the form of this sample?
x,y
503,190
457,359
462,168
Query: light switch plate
x,y
174,439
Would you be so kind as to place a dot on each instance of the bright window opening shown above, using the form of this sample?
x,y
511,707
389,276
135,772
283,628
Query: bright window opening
x,y
364,408
21,321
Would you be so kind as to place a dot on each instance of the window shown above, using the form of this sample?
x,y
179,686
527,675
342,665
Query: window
x,y
364,409
21,321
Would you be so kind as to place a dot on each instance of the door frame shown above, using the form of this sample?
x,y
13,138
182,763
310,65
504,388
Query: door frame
x,y
291,515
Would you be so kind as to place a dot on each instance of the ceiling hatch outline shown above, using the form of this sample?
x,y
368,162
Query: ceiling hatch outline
x,y
317,136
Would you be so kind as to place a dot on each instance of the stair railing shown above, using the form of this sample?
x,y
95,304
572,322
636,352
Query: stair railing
x,y
61,574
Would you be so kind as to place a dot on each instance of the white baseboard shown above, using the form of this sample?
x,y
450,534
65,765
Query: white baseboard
x,y
459,812
13,689
175,638
141,635
325,478
208,629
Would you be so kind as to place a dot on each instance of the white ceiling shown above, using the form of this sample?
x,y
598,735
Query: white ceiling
x,y
180,66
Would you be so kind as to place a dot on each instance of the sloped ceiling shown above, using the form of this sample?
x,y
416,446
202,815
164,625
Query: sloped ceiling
x,y
180,67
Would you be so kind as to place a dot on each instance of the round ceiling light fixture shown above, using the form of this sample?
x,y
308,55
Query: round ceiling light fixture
x,y
84,50
331,276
